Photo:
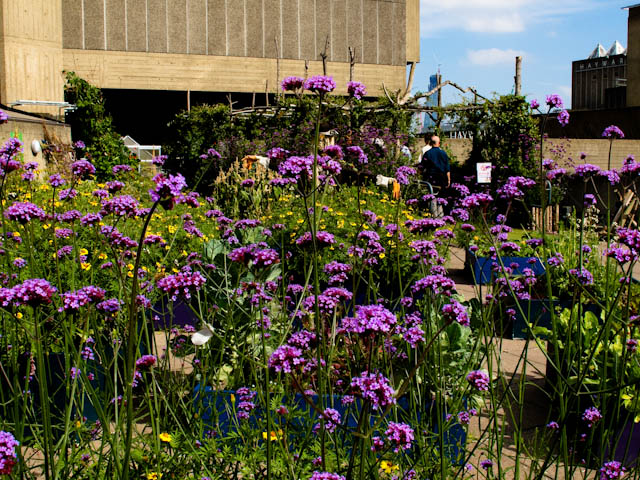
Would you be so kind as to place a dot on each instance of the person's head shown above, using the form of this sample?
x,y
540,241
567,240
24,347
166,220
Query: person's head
x,y
427,138
435,141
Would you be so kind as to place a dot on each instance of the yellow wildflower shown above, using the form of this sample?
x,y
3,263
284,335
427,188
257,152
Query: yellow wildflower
x,y
388,466
84,251
273,436
18,315
165,437
85,266
102,256
154,476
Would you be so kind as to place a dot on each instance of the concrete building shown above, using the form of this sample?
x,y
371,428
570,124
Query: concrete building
x,y
240,46
600,80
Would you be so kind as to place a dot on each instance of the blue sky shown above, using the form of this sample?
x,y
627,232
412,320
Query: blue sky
x,y
476,42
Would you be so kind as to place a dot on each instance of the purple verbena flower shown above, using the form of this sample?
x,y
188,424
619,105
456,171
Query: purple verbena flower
x,y
356,90
612,132
82,168
400,435
292,84
375,388
479,379
320,84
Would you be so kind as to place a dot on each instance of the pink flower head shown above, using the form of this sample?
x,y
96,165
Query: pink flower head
x,y
292,84
320,84
356,90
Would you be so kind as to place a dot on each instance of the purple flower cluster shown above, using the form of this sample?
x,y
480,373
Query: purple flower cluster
x,y
613,131
332,419
320,84
591,415
375,388
8,455
514,186
400,435
438,284
403,173
73,301
586,169
323,239
477,200
609,471
563,118
82,168
145,362
584,276
455,312
369,320
479,379
292,84
356,90
167,187
24,212
121,168
554,101
245,402
286,359
357,154
326,476
34,291
122,206
181,284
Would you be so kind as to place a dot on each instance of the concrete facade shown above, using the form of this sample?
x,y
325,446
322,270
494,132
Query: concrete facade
x,y
633,57
599,83
597,150
208,45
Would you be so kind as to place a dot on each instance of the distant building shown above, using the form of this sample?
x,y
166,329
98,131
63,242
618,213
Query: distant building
x,y
633,56
600,80
428,123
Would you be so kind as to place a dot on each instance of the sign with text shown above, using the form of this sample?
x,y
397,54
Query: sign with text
x,y
484,172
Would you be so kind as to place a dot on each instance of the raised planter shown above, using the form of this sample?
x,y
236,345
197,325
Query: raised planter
x,y
481,268
217,408
538,313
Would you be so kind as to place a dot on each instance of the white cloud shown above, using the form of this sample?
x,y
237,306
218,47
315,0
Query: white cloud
x,y
565,92
493,56
493,16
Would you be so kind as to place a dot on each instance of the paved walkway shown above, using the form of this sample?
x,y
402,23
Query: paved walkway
x,y
508,365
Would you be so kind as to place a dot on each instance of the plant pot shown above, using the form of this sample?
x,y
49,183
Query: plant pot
x,y
538,312
481,268
217,410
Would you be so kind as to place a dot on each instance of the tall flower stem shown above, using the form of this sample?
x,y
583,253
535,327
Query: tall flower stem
x,y
131,346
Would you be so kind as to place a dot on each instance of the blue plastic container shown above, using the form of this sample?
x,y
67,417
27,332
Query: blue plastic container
x,y
482,267
218,411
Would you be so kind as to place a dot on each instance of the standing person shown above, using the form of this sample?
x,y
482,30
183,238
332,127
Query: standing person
x,y
427,146
436,169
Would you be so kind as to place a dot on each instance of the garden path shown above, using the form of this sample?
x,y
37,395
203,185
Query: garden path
x,y
507,365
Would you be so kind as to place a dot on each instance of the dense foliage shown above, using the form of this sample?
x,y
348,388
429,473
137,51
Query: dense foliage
x,y
93,125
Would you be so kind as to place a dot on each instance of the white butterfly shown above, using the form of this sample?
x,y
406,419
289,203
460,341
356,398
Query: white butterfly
x,y
203,335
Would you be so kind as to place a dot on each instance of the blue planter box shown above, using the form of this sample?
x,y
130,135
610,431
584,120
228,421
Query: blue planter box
x,y
482,267
539,314
218,411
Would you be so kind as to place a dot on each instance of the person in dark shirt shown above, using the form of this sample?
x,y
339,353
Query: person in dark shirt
x,y
435,165
436,170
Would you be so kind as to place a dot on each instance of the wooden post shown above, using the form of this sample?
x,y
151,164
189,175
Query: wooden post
x,y
324,55
188,100
277,68
352,63
438,80
518,76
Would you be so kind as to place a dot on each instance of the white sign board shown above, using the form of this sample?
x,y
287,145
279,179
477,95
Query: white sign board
x,y
484,172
